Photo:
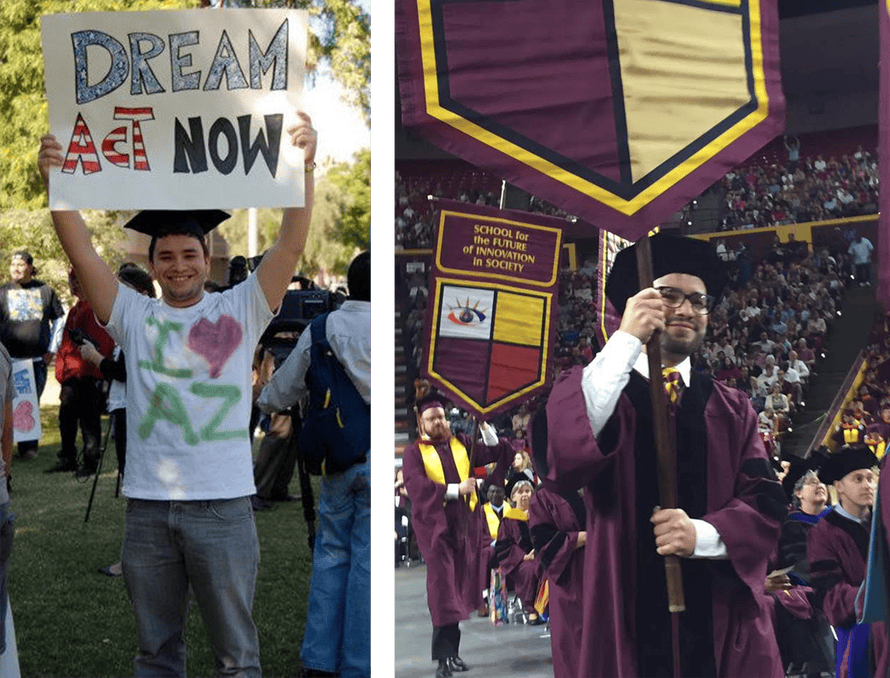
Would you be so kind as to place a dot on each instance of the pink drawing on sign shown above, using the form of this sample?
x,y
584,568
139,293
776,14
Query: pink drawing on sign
x,y
215,342
23,416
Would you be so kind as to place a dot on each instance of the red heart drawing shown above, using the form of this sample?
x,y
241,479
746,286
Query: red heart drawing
x,y
23,416
215,342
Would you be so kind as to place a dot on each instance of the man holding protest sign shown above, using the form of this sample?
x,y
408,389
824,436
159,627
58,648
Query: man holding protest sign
x,y
189,476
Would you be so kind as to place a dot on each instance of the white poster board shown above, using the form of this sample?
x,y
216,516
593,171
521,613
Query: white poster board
x,y
25,404
184,109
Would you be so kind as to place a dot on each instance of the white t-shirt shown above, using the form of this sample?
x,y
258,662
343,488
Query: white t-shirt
x,y
189,392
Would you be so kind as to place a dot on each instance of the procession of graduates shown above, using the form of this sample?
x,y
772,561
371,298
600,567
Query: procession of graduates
x,y
770,570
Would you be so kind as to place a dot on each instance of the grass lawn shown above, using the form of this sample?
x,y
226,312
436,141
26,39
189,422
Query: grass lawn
x,y
72,621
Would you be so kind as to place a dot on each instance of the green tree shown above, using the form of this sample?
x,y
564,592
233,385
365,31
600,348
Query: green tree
x,y
354,184
32,230
339,42
341,220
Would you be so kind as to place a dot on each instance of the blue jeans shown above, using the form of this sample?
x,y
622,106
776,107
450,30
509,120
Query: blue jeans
x,y
210,545
7,530
338,624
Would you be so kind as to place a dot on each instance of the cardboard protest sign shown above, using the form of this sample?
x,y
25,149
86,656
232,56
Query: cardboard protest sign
x,y
493,296
25,405
175,109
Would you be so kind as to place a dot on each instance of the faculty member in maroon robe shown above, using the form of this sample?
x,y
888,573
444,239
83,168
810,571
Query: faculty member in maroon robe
x,y
731,506
446,517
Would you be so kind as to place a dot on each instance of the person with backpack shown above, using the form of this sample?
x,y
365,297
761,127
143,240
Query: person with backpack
x,y
331,363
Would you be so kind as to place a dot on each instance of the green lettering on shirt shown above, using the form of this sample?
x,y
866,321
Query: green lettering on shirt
x,y
157,363
175,413
230,395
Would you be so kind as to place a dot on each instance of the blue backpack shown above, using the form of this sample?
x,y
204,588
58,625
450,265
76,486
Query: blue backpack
x,y
336,431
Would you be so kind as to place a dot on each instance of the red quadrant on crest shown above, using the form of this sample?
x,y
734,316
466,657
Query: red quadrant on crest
x,y
512,367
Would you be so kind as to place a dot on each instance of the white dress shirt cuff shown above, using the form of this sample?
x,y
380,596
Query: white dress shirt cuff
x,y
489,436
708,543
452,492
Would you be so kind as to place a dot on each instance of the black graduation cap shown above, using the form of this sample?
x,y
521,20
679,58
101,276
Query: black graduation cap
x,y
670,254
798,469
847,459
157,223
515,478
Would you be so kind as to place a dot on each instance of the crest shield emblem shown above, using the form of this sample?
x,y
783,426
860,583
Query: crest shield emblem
x,y
492,305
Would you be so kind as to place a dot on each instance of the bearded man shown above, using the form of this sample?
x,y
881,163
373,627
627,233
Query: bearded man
x,y
447,517
730,506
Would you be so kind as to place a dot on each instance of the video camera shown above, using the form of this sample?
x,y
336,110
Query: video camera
x,y
298,308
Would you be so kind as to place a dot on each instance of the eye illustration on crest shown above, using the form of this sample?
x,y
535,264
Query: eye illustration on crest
x,y
463,314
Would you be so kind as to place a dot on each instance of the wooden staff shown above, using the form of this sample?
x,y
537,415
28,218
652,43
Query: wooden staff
x,y
666,454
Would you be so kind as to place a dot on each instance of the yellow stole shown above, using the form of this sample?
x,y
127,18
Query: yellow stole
x,y
494,520
851,433
515,513
432,464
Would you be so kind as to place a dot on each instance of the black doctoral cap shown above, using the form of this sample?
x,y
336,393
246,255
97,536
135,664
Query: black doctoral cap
x,y
670,254
847,459
517,477
798,469
160,223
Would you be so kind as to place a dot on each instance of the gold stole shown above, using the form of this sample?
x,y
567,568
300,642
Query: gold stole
x,y
851,434
433,464
494,520
516,513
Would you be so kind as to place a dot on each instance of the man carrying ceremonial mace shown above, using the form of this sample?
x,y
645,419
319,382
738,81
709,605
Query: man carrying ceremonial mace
x,y
729,504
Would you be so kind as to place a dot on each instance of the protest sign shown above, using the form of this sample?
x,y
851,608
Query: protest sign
x,y
175,109
493,297
25,404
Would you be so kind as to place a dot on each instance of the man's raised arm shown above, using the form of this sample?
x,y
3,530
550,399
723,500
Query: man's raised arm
x,y
277,268
96,277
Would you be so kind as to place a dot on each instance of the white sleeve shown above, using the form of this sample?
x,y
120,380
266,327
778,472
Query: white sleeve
x,y
288,384
56,328
708,542
606,375
452,492
489,436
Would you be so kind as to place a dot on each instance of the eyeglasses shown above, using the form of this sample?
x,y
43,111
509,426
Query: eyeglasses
x,y
673,297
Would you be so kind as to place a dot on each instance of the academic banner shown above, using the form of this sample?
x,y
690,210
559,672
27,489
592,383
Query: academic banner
x,y
618,111
492,307
175,109
25,405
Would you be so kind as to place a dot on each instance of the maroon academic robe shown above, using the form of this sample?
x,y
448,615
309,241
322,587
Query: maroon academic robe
x,y
837,549
448,533
514,543
724,478
555,525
